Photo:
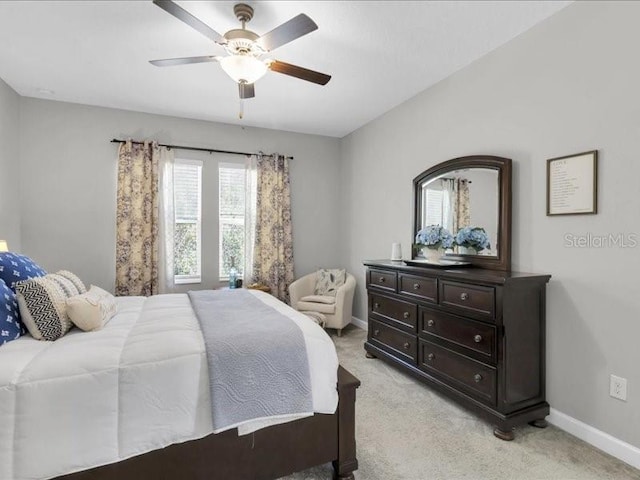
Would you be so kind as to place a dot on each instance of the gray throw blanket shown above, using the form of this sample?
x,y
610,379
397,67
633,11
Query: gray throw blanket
x,y
257,357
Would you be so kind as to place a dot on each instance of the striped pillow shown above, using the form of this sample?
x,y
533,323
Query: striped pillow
x,y
69,288
73,278
43,307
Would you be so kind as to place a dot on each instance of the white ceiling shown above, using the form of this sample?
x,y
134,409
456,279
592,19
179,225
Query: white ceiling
x,y
379,53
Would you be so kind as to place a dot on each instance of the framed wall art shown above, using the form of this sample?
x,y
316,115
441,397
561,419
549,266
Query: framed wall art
x,y
572,184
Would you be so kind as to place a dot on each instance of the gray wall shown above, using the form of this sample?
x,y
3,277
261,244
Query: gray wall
x,y
9,166
568,85
68,183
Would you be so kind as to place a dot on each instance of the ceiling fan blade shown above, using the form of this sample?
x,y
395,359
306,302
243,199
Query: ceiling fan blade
x,y
171,62
299,72
181,14
287,32
247,90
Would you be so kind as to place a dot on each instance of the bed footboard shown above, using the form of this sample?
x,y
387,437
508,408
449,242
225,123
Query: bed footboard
x,y
346,463
269,453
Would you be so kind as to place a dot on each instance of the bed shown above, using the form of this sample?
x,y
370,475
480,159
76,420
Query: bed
x,y
133,401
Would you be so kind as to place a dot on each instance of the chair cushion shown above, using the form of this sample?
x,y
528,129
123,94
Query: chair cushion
x,y
10,327
316,307
319,299
329,280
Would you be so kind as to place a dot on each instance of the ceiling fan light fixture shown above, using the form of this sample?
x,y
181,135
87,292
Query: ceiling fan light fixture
x,y
243,68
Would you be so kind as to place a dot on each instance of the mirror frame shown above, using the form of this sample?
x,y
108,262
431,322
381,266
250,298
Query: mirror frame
x,y
503,260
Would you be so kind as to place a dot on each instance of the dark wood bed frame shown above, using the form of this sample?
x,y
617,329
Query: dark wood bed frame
x,y
267,454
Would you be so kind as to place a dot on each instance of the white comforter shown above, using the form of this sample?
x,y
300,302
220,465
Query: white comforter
x,y
139,384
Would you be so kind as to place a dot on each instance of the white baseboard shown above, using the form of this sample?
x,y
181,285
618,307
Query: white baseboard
x,y
359,323
599,439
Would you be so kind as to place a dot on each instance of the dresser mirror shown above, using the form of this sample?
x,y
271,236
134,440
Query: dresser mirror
x,y
473,191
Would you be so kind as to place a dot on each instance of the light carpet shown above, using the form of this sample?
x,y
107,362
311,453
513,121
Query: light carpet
x,y
406,431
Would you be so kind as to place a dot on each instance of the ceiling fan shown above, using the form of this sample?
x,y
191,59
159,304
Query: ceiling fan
x,y
244,47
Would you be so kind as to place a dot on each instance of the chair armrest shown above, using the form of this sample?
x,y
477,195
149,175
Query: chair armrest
x,y
344,300
301,287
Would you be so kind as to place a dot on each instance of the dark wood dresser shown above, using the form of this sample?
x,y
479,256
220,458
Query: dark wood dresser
x,y
475,335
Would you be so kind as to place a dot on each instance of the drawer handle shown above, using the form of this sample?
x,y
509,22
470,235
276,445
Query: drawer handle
x,y
406,315
431,356
464,296
477,338
381,279
416,286
376,306
376,333
430,323
477,377
406,345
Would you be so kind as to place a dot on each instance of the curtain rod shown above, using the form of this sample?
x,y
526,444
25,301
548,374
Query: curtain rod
x,y
197,149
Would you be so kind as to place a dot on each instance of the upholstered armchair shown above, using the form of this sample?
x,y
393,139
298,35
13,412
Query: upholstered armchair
x,y
336,310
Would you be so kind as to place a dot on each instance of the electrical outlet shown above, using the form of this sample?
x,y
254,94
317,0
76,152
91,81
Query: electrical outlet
x,y
618,387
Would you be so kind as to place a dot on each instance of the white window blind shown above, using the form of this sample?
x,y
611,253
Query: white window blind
x,y
231,217
187,185
432,206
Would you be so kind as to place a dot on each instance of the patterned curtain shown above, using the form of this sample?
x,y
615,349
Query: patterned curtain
x,y
463,215
137,219
455,204
273,248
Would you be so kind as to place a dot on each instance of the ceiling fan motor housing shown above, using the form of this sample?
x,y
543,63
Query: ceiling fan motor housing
x,y
242,42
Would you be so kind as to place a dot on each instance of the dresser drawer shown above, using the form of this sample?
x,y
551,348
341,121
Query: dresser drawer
x,y
423,288
382,279
400,343
462,372
472,299
477,336
402,314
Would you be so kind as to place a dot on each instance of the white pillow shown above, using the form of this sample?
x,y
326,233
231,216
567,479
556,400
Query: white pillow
x,y
91,310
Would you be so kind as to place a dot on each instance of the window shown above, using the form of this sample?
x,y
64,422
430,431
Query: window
x,y
432,205
231,217
187,185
